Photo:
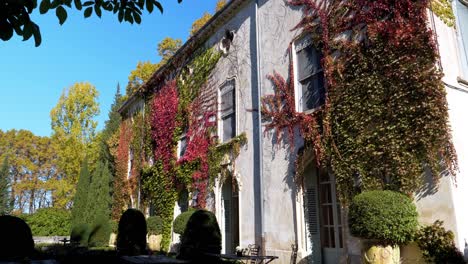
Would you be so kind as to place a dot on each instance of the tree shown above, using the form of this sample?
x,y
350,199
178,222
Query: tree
x,y
5,204
199,23
99,209
111,128
140,75
220,4
144,70
167,48
80,214
74,128
15,15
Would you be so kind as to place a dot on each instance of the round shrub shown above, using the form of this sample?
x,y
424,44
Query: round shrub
x,y
387,216
49,222
181,221
201,236
155,225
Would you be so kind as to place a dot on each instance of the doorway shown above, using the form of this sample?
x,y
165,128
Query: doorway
x,y
323,216
230,203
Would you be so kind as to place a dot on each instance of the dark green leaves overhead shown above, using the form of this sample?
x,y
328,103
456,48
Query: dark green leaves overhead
x,y
15,15
61,14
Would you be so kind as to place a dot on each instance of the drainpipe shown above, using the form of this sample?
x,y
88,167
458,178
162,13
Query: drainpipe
x,y
258,180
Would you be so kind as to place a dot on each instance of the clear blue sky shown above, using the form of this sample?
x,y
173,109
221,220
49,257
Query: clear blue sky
x,y
100,51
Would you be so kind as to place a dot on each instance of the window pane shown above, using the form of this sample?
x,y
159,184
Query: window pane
x,y
313,92
308,62
183,146
462,13
229,127
227,102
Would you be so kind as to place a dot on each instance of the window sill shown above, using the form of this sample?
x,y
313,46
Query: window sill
x,y
462,81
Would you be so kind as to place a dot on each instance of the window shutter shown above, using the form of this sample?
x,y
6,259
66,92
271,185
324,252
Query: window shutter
x,y
312,217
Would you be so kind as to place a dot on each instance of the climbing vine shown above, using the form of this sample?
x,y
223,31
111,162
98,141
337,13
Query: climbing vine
x,y
121,188
181,105
385,116
443,9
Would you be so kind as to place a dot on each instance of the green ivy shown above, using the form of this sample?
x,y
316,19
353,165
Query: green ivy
x,y
162,195
443,9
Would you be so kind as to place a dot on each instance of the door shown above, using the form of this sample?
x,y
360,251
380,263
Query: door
x,y
322,216
230,197
331,228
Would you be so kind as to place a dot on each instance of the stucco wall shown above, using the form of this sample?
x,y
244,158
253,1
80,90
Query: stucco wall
x,y
447,201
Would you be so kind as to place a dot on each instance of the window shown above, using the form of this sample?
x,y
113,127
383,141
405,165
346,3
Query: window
x,y
228,110
182,146
310,88
461,12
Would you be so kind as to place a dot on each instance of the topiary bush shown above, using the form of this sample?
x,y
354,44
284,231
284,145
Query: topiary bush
x,y
155,225
437,244
49,222
202,235
387,216
181,221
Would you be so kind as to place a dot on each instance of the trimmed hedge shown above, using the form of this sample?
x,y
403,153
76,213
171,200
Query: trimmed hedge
x,y
155,225
181,221
49,222
387,216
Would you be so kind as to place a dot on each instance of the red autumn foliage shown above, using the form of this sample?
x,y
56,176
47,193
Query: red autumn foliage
x,y
164,123
121,185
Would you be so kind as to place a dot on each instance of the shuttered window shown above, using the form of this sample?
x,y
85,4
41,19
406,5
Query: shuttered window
x,y
311,86
312,214
462,24
228,110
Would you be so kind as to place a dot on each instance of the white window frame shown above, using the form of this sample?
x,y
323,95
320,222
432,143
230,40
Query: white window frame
x,y
221,92
297,84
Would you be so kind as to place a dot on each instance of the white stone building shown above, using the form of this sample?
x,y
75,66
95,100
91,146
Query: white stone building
x,y
268,208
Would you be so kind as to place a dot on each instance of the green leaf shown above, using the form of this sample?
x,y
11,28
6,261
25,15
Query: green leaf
x,y
27,31
97,10
137,18
44,6
149,6
61,14
6,30
158,5
121,15
37,34
88,11
78,4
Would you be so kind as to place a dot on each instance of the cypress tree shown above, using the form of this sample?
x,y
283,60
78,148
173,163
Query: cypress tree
x,y
5,203
99,209
80,214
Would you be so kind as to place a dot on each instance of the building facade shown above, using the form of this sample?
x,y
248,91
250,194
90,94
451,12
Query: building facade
x,y
257,200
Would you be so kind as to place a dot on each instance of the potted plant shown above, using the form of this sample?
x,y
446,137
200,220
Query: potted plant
x,y
386,219
155,227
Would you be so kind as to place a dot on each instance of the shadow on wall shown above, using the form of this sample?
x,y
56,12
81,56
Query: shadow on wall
x,y
429,186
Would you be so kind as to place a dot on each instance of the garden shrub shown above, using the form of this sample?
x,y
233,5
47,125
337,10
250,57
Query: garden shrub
x,y
49,222
80,234
181,221
387,216
201,236
155,225
437,244
100,232
131,237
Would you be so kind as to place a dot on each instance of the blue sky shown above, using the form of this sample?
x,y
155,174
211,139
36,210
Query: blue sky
x,y
100,51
